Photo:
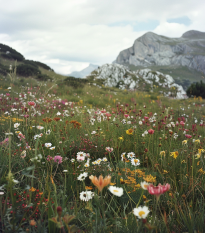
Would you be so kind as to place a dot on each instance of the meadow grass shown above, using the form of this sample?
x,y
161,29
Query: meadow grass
x,y
55,138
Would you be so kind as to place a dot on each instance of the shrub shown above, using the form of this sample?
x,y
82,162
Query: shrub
x,y
196,89
43,77
74,82
27,70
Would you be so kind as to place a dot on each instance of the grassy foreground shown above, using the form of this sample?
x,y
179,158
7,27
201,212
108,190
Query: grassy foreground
x,y
56,141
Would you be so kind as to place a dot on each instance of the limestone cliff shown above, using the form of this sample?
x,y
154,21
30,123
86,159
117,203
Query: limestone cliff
x,y
152,49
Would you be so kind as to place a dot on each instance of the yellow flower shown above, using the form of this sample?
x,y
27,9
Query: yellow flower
x,y
183,161
121,138
165,171
112,184
197,141
129,131
149,179
162,153
174,154
198,156
200,150
184,142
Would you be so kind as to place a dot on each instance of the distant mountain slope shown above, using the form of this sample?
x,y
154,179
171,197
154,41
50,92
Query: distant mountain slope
x,y
83,73
115,75
152,49
25,68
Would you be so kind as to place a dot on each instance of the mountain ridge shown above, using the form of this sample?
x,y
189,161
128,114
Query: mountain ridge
x,y
153,49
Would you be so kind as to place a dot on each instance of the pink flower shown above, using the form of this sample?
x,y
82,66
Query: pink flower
x,y
26,116
31,103
182,123
109,149
188,136
7,94
58,159
5,142
150,131
49,158
158,190
108,114
126,115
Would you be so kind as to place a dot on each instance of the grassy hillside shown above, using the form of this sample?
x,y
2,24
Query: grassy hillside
x,y
25,68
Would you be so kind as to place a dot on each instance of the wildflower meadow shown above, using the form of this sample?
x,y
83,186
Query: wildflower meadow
x,y
101,160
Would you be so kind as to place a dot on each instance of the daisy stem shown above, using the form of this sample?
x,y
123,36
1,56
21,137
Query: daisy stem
x,y
140,198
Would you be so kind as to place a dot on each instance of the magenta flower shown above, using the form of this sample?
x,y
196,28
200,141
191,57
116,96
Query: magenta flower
x,y
58,159
158,190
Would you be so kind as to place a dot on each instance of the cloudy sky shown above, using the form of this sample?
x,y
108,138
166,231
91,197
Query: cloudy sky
x,y
69,34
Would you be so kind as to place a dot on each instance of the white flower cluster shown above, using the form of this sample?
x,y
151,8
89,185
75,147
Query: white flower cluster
x,y
98,161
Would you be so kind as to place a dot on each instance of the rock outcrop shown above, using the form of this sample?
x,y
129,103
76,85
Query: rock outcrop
x,y
152,49
115,75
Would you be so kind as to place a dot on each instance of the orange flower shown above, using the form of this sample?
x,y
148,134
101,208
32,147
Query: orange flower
x,y
32,222
100,183
47,120
56,118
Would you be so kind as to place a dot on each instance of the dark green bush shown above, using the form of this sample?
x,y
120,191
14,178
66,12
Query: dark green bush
x,y
73,82
43,77
196,89
27,70
13,54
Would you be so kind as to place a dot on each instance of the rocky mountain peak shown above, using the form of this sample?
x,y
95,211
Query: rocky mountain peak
x,y
194,34
152,49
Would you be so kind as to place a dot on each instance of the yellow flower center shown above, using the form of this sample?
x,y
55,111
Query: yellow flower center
x,y
141,213
116,191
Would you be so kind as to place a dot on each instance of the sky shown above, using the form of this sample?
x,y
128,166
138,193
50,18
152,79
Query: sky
x,y
67,35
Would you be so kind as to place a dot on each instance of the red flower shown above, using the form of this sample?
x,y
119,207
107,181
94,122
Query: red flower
x,y
150,131
158,190
188,136
31,103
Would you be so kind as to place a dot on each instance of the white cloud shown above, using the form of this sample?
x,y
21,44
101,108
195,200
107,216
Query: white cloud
x,y
70,34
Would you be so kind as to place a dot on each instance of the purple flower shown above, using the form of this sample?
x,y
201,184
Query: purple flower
x,y
58,159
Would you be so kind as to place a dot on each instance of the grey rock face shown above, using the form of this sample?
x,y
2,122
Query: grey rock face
x,y
152,49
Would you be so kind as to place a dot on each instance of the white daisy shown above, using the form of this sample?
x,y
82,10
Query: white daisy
x,y
39,127
16,125
82,176
116,191
131,155
47,145
135,162
52,148
144,185
104,159
86,195
123,155
141,212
